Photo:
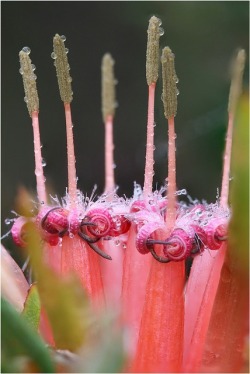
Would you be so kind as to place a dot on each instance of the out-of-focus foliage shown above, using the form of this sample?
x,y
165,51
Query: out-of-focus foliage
x,y
239,225
21,345
32,307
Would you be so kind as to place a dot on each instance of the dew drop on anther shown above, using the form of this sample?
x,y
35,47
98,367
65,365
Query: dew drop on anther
x,y
21,71
161,31
53,55
66,50
7,221
33,67
26,50
63,38
25,99
43,163
177,92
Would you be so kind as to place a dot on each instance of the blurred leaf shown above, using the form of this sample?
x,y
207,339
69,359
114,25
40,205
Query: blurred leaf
x,y
104,352
239,193
14,286
32,307
62,297
19,340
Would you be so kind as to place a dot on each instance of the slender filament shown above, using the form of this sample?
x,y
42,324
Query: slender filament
x,y
171,181
149,165
109,155
227,161
40,180
72,181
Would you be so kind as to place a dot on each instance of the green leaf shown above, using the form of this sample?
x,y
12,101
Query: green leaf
x,y
62,297
239,193
20,341
32,307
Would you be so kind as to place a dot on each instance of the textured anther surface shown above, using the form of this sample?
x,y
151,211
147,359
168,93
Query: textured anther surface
x,y
108,87
29,82
152,56
169,79
62,70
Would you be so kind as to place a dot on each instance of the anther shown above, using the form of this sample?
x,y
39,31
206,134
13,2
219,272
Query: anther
x,y
62,69
169,78
29,82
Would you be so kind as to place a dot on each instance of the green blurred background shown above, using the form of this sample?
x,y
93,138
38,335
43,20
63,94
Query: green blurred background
x,y
203,35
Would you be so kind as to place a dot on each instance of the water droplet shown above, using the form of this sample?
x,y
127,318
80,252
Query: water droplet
x,y
26,50
177,92
53,55
176,80
60,242
63,38
21,71
33,77
25,99
114,166
161,31
160,21
66,50
124,246
8,221
117,243
43,163
71,235
42,203
154,124
68,66
69,80
41,146
33,67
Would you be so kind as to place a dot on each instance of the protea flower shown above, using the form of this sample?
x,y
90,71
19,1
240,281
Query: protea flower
x,y
130,253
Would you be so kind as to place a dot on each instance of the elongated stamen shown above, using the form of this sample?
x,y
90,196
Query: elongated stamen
x,y
64,82
169,98
108,112
235,91
32,101
152,70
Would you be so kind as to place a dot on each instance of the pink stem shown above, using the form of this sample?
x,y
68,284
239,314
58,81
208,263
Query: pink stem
x,y
160,343
199,300
135,274
226,342
199,308
40,180
109,155
149,165
227,160
171,192
72,185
